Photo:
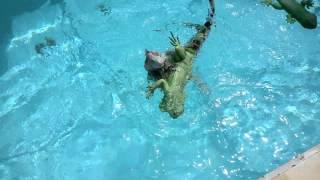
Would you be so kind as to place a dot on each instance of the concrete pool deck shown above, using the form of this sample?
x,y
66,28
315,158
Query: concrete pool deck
x,y
304,167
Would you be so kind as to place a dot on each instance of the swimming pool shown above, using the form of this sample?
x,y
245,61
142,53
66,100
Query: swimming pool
x,y
79,111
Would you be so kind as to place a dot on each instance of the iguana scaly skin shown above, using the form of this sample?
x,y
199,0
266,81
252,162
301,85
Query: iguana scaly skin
x,y
173,84
296,11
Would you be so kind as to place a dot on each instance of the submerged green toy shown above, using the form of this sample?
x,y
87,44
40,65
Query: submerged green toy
x,y
296,11
172,69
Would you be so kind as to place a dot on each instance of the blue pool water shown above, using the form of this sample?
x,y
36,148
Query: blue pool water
x,y
79,110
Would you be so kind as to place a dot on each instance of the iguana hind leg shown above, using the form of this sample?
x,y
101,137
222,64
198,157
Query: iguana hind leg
x,y
290,19
275,5
202,85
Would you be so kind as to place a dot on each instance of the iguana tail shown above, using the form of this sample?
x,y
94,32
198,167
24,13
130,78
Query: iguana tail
x,y
212,12
197,40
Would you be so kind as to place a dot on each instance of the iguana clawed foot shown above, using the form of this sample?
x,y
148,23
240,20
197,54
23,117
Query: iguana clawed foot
x,y
307,3
150,90
174,41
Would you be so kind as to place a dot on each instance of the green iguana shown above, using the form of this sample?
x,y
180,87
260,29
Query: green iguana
x,y
171,70
296,11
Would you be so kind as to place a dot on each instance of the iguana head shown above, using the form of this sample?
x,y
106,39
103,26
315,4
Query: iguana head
x,y
154,60
173,103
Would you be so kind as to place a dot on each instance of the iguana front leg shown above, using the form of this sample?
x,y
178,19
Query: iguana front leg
x,y
275,5
161,83
180,52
